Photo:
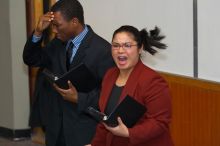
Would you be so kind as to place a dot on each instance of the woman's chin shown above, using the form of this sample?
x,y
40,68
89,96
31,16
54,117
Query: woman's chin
x,y
122,65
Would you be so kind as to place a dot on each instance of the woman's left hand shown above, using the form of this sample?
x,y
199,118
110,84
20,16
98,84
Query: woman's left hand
x,y
120,130
70,94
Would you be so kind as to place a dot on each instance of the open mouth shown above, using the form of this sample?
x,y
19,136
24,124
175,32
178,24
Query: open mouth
x,y
122,60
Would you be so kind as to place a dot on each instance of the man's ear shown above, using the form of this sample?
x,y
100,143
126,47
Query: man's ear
x,y
75,21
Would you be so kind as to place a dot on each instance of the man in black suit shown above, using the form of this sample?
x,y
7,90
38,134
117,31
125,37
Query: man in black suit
x,y
68,125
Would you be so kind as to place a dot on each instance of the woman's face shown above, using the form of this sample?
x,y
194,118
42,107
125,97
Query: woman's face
x,y
125,51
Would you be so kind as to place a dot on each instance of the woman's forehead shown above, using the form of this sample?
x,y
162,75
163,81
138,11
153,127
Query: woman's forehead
x,y
124,36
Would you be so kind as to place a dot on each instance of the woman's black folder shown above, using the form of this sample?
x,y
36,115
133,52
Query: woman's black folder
x,y
129,110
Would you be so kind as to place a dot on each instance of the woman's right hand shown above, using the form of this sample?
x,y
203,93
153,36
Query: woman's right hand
x,y
43,22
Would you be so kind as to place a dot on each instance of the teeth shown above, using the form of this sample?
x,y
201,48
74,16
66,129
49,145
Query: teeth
x,y
122,58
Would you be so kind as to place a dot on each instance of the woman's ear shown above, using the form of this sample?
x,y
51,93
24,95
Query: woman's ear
x,y
141,49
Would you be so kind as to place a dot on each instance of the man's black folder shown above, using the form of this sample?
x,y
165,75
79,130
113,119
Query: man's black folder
x,y
80,76
129,110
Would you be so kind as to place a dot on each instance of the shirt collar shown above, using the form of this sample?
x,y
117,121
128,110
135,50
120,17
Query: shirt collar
x,y
78,39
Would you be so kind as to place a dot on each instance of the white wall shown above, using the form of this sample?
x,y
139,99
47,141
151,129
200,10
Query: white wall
x,y
209,39
175,18
14,97
19,70
6,93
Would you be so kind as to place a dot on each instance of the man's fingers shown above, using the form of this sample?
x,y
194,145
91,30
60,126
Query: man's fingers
x,y
55,85
70,84
60,92
48,18
49,14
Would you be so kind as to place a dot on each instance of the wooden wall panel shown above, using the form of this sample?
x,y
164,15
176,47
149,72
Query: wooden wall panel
x,y
196,111
34,9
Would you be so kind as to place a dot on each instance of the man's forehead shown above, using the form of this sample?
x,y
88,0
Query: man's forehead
x,y
57,14
57,17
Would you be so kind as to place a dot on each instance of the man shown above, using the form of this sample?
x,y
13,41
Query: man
x,y
68,125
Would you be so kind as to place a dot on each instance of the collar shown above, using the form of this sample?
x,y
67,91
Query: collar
x,y
78,39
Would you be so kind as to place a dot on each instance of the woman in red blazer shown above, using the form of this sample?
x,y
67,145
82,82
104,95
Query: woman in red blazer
x,y
131,77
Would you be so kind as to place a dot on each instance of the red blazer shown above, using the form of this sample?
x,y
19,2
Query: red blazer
x,y
150,89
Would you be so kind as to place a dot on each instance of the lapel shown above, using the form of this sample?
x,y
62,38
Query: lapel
x,y
131,84
107,88
129,88
81,52
62,55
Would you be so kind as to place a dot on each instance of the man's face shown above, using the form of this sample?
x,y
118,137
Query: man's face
x,y
63,29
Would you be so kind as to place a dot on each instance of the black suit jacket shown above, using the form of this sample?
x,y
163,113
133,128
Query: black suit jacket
x,y
95,52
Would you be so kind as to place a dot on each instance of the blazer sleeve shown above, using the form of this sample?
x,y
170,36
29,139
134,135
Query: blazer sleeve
x,y
156,120
34,54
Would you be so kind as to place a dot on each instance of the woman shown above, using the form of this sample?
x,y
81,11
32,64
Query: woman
x,y
131,77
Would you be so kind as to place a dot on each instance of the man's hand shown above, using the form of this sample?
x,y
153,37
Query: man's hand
x,y
43,22
68,94
120,130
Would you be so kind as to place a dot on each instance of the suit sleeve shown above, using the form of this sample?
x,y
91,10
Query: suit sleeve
x,y
157,118
34,54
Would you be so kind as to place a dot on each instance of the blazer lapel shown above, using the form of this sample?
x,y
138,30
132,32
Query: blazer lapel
x,y
132,82
129,88
62,55
107,88
81,52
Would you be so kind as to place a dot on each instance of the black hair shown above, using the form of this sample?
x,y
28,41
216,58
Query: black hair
x,y
69,9
148,40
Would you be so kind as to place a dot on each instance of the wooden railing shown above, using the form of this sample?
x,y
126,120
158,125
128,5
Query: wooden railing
x,y
196,111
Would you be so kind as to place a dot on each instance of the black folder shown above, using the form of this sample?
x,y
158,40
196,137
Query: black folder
x,y
129,110
80,76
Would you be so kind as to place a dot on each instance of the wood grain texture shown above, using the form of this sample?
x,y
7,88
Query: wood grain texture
x,y
196,111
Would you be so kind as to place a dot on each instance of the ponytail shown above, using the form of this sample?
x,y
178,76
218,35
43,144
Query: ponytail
x,y
152,40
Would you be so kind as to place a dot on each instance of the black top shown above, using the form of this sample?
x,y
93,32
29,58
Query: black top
x,y
113,99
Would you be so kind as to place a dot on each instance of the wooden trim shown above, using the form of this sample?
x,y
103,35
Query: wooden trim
x,y
200,83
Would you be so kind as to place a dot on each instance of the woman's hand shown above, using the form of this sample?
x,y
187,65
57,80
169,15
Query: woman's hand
x,y
120,130
68,94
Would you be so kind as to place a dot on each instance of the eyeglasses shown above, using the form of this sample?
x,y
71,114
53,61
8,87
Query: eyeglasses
x,y
126,46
